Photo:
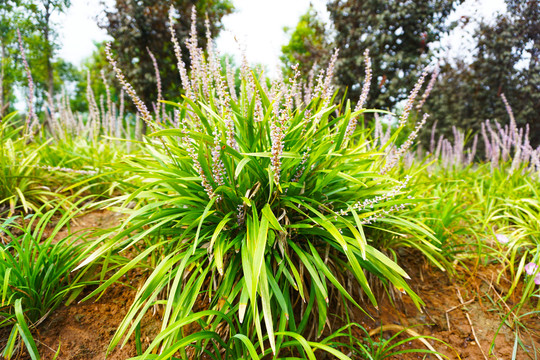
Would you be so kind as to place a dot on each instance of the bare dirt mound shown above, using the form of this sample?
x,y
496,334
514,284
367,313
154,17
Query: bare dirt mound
x,y
464,311
83,331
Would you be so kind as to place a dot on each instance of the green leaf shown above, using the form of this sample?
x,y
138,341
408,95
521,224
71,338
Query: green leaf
x,y
267,311
203,217
269,215
24,331
218,229
240,166
311,269
244,339
302,341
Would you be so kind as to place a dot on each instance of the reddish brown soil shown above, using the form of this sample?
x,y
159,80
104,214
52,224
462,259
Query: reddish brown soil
x,y
98,219
445,316
84,330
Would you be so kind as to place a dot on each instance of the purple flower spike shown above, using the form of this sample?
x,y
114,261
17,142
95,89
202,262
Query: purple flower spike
x,y
502,239
530,269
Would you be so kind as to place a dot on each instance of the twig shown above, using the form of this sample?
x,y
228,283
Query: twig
x,y
460,305
47,346
470,323
454,308
500,298
409,331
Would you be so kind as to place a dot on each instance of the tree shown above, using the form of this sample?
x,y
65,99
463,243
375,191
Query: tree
x,y
139,25
399,35
11,18
43,11
39,37
309,44
506,60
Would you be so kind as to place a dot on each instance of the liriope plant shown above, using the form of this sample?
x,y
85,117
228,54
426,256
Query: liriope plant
x,y
23,186
255,209
36,272
84,166
517,219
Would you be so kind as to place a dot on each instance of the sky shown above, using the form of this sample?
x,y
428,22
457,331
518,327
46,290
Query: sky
x,y
460,41
257,24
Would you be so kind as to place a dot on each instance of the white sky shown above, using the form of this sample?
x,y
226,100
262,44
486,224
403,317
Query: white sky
x,y
460,41
257,24
78,30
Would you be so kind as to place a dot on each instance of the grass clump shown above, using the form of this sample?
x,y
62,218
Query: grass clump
x,y
21,180
255,211
35,274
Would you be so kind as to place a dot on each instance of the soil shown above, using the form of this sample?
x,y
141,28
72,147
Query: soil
x,y
83,331
98,219
468,326
457,311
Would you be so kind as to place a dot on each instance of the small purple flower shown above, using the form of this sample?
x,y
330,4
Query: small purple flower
x,y
531,268
502,239
537,279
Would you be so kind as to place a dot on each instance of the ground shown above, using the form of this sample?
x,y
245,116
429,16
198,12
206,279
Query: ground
x,y
458,311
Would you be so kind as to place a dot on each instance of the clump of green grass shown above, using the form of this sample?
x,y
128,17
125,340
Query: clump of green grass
x,y
35,273
259,207
22,182
84,166
487,212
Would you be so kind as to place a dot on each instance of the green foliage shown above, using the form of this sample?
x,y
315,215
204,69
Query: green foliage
x,y
137,26
454,215
308,45
252,206
42,12
518,217
384,348
506,60
41,173
11,18
486,214
21,180
35,273
255,209
82,166
399,35
34,19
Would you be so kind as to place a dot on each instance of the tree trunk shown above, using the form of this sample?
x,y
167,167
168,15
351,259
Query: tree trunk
x,y
48,52
2,97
